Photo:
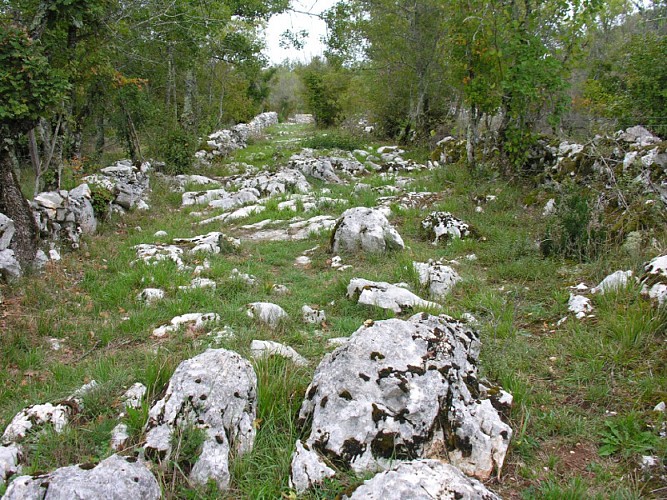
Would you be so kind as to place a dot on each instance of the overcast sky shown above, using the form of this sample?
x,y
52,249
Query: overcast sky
x,y
297,22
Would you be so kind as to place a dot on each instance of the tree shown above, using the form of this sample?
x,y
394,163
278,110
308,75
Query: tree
x,y
29,90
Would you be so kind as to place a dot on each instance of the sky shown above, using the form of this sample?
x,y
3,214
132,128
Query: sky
x,y
297,22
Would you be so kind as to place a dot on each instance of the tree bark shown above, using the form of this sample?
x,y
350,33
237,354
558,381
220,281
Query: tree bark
x,y
14,205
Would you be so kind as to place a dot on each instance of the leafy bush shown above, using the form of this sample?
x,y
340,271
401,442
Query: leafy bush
x,y
346,142
177,149
575,230
101,199
624,435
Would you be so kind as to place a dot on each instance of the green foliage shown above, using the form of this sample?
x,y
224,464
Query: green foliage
x,y
575,230
324,86
334,140
101,199
177,148
625,436
29,87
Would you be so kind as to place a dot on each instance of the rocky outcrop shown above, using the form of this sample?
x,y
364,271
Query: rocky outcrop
x,y
395,297
9,265
196,320
399,390
10,457
115,478
265,348
436,277
301,119
216,392
422,480
364,229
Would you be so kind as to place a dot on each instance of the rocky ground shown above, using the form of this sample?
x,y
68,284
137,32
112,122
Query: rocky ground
x,y
294,320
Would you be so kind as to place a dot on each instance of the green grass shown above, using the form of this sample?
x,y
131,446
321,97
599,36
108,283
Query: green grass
x,y
565,379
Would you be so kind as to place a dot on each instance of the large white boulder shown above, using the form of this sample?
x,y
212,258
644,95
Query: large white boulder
x,y
365,229
387,296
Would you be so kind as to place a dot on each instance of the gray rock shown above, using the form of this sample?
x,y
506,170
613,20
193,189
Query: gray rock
x,y
444,226
318,168
398,390
116,478
237,199
313,316
267,313
654,279
614,282
212,242
385,295
133,397
154,254
307,469
9,266
365,229
422,480
6,231
638,135
202,197
579,305
197,320
150,295
436,277
215,391
265,348
10,457
119,437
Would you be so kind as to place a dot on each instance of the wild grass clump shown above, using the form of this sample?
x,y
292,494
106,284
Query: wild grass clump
x,y
334,140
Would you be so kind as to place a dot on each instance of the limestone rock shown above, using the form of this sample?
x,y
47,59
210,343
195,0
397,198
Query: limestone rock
x,y
319,168
264,348
150,295
266,312
119,437
215,391
422,480
133,397
154,254
579,305
34,417
613,282
307,469
365,229
197,320
436,277
386,295
6,231
9,462
399,390
115,478
202,197
212,242
444,226
654,279
313,316
9,266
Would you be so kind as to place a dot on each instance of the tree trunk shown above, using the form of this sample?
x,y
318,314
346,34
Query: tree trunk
x,y
14,205
188,114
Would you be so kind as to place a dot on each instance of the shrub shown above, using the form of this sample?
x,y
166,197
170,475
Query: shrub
x,y
177,149
344,141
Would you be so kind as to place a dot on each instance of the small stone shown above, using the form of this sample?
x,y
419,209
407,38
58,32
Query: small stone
x,y
280,290
313,316
119,437
579,305
150,295
160,234
660,407
267,313
302,261
133,397
613,282
264,348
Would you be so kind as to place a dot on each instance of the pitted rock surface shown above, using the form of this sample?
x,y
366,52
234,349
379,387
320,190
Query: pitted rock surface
x,y
443,226
365,229
6,231
266,312
115,478
215,391
287,180
614,282
399,390
265,348
385,295
128,184
654,279
212,242
422,480
10,457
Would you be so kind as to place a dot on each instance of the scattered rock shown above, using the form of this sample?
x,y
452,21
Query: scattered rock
x,y
280,290
202,197
264,348
154,254
444,226
119,437
134,396
660,407
399,390
303,261
437,278
313,316
9,266
215,391
10,458
307,469
246,278
160,234
267,313
549,208
654,279
422,480
197,320
614,282
364,229
6,231
385,295
198,283
579,305
301,119
115,478
150,295
213,242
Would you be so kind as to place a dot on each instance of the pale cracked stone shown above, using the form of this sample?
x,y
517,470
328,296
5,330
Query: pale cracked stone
x,y
614,282
443,226
654,279
133,397
364,229
10,457
119,437
198,283
422,480
436,277
264,348
266,312
579,305
202,197
307,469
115,478
150,295
9,265
197,320
399,390
213,242
154,254
6,231
313,316
387,296
215,391
33,418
